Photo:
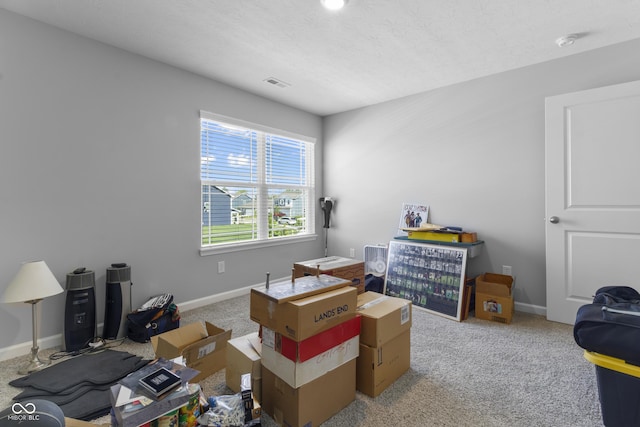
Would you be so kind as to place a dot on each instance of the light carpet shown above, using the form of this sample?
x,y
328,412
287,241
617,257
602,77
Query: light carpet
x,y
471,373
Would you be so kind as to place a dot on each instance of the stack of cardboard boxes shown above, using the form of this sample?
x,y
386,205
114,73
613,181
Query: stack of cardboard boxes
x,y
385,341
310,339
319,341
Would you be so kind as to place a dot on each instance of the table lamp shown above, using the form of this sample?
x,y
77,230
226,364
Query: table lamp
x,y
33,282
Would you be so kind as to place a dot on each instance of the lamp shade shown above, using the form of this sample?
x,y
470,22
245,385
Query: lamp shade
x,y
34,281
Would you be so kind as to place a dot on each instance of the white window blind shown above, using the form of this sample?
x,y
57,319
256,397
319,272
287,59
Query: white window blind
x,y
257,183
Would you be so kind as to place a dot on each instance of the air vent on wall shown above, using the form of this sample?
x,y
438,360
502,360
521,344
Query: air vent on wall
x,y
276,82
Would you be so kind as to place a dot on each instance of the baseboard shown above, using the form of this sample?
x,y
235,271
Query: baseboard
x,y
530,308
22,349
201,302
53,341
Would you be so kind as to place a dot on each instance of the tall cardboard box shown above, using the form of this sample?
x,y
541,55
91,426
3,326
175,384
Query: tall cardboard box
x,y
494,297
202,344
379,367
313,403
244,357
385,341
344,268
306,316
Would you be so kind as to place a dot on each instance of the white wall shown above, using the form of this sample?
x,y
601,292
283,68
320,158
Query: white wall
x,y
473,151
99,163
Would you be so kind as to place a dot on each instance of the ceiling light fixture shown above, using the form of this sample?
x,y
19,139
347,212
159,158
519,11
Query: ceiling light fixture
x,y
567,40
333,4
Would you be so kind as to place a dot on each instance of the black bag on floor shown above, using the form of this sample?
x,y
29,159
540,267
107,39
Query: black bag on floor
x,y
611,324
159,314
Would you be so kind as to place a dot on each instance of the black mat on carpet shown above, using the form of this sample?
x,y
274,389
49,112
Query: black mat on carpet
x,y
81,385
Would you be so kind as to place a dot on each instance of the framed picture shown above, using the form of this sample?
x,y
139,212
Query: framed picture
x,y
412,216
430,276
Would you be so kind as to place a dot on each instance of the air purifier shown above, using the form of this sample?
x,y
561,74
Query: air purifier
x,y
118,301
80,310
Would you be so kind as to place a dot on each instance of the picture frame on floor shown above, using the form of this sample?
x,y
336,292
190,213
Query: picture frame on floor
x,y
431,276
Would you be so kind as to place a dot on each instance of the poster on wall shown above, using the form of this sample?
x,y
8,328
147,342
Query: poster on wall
x,y
430,276
412,215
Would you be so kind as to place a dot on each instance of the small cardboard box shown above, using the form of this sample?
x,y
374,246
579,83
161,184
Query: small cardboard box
x,y
344,268
203,345
314,402
307,360
244,357
302,318
379,367
494,297
383,318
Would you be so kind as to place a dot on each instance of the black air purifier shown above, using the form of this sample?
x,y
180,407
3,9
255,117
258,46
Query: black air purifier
x,y
80,310
118,301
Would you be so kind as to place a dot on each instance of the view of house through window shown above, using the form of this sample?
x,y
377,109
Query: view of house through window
x,y
256,185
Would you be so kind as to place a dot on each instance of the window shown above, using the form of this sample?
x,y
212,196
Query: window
x,y
257,184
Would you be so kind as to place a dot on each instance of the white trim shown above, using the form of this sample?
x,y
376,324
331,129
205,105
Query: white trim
x,y
24,349
255,244
204,301
530,308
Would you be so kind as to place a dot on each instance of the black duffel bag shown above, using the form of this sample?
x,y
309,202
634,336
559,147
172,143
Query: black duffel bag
x,y
159,314
611,324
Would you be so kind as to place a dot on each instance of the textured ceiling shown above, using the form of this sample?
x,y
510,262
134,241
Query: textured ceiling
x,y
369,52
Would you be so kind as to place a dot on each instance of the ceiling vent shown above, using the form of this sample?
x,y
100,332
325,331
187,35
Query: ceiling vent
x,y
276,82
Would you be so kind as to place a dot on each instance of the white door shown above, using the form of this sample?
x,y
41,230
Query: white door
x,y
592,195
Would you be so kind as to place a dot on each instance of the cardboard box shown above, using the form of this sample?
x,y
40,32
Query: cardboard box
x,y
301,351
203,345
302,318
244,357
379,367
344,268
315,356
383,318
494,298
314,402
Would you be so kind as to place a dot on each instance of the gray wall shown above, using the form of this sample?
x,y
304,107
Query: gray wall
x,y
94,139
474,152
99,163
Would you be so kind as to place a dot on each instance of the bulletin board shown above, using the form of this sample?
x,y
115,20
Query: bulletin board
x,y
430,276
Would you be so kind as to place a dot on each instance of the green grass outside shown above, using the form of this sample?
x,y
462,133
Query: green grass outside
x,y
214,234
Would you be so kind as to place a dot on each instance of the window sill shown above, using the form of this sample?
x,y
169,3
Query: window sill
x,y
239,247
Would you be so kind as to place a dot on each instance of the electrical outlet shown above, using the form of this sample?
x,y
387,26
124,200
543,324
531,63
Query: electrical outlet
x,y
506,270
352,253
220,266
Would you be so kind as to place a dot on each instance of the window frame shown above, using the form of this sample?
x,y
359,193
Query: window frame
x,y
261,242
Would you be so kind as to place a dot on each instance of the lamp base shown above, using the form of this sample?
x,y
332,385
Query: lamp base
x,y
35,364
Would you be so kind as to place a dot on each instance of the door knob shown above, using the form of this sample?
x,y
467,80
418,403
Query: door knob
x,y
554,220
